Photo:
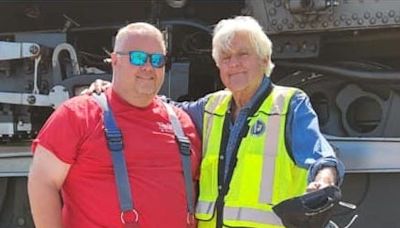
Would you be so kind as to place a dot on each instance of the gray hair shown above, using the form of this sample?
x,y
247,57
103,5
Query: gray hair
x,y
225,30
137,28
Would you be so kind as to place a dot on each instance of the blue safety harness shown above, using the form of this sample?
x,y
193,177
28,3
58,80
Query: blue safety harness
x,y
129,215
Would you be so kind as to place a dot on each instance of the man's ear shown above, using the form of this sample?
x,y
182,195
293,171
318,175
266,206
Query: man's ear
x,y
114,59
266,61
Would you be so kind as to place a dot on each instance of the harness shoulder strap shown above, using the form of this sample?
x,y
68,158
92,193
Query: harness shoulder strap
x,y
115,145
184,148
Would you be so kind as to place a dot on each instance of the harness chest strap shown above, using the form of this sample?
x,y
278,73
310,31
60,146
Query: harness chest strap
x,y
115,144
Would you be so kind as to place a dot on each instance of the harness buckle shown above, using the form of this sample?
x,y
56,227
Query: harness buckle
x,y
114,139
129,216
184,145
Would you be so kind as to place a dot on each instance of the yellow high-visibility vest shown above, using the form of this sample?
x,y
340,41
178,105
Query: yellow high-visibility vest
x,y
264,174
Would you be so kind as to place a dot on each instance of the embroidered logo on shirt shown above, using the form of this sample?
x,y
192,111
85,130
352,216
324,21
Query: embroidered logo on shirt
x,y
258,128
165,127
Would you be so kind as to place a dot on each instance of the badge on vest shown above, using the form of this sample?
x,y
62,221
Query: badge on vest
x,y
258,128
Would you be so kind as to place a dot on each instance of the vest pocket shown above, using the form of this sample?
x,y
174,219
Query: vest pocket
x,y
208,178
245,182
253,178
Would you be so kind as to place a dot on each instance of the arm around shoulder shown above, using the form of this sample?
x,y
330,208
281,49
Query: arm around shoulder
x,y
46,177
195,109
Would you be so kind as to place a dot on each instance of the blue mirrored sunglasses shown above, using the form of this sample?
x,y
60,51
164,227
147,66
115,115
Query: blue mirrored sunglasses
x,y
139,58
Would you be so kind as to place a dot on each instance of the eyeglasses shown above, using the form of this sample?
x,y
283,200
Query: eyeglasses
x,y
139,58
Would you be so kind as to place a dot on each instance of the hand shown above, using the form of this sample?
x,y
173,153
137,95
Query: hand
x,y
325,177
97,86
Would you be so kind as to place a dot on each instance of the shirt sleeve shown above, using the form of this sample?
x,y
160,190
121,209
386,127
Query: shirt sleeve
x,y
307,145
61,134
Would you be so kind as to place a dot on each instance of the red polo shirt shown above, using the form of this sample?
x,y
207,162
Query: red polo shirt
x,y
75,135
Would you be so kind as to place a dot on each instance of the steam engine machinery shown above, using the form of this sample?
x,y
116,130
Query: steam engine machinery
x,y
343,53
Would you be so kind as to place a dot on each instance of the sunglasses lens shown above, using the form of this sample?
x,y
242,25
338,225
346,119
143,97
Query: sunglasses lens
x,y
157,60
138,58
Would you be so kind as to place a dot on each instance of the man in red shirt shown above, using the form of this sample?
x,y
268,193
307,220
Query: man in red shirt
x,y
72,183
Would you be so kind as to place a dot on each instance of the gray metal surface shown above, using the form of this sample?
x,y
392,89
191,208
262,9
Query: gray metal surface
x,y
13,50
299,46
46,39
276,16
15,161
377,198
176,81
57,95
368,155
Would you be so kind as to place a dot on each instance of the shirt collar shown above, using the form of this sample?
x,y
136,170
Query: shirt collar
x,y
260,93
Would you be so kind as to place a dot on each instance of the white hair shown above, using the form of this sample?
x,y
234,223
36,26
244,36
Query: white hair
x,y
137,28
225,30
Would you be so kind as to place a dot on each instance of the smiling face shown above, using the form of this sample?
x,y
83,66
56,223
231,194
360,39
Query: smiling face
x,y
137,83
241,69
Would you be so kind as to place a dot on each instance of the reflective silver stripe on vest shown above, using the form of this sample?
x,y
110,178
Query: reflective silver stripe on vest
x,y
203,207
270,149
251,215
209,117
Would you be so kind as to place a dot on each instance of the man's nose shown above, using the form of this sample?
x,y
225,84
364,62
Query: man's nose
x,y
234,61
147,65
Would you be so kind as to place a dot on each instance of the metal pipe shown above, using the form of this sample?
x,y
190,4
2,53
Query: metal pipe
x,y
187,23
56,64
379,76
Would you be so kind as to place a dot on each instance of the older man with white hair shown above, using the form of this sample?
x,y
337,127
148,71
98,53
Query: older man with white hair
x,y
259,139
